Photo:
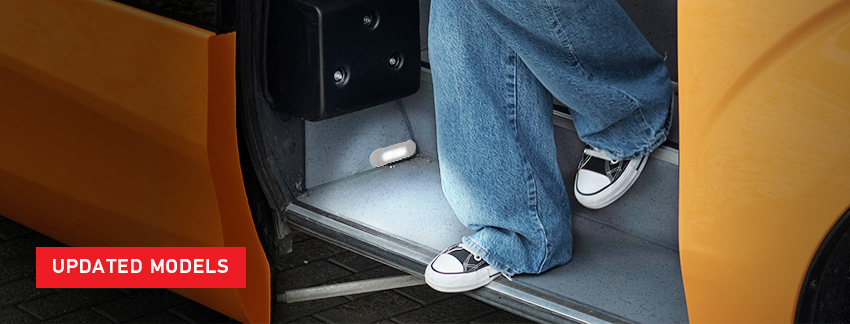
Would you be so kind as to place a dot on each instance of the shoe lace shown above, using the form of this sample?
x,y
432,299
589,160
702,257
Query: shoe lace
x,y
478,258
599,154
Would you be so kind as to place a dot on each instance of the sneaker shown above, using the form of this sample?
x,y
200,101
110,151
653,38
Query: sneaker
x,y
601,180
456,269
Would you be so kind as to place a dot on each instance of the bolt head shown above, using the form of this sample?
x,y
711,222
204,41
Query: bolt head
x,y
367,20
338,76
393,61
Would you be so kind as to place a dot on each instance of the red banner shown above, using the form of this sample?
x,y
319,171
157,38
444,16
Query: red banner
x,y
140,267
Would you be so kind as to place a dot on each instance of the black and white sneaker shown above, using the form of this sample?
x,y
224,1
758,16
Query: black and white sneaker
x,y
458,270
601,180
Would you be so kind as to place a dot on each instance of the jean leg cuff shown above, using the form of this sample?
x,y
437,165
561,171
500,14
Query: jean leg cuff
x,y
480,251
657,139
654,144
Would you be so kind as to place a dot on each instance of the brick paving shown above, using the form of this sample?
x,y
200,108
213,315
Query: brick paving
x,y
313,262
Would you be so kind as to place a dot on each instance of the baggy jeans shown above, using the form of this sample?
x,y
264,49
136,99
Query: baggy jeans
x,y
496,65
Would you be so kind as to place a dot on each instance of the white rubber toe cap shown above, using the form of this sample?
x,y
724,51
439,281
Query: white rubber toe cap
x,y
589,182
447,263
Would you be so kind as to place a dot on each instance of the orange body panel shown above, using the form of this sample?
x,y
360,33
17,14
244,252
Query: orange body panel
x,y
765,144
118,128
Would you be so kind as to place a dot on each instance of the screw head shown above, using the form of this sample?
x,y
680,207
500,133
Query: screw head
x,y
338,75
370,19
395,60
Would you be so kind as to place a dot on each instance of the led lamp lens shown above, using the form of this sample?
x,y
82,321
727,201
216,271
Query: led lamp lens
x,y
392,153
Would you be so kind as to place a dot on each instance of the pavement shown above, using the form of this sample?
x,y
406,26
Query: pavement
x,y
313,262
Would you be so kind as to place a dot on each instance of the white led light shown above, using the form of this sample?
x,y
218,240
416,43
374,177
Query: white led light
x,y
392,153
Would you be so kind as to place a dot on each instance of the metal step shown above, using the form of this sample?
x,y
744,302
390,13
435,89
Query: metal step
x,y
398,216
626,264
533,304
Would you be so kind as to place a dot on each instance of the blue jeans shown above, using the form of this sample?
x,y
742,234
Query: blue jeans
x,y
494,65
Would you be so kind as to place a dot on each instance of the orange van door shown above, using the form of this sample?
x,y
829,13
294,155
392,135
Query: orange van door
x,y
117,128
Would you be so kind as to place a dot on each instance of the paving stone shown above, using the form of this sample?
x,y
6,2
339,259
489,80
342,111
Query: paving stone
x,y
131,307
80,316
371,308
501,317
308,251
159,317
285,313
309,275
24,246
424,294
13,315
10,229
137,291
453,310
354,262
196,313
16,269
300,236
17,291
307,320
126,291
68,300
375,273
221,320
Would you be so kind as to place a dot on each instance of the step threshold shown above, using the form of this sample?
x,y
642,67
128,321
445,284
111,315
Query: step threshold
x,y
410,258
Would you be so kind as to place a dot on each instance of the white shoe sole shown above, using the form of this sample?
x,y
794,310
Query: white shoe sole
x,y
455,283
615,191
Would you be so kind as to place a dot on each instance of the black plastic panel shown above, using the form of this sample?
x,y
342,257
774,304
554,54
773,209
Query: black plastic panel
x,y
330,57
657,20
825,295
218,16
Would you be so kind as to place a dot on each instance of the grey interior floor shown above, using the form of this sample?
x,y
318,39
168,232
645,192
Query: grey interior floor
x,y
626,259
613,270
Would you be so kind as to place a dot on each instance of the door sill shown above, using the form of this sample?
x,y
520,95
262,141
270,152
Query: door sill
x,y
406,256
